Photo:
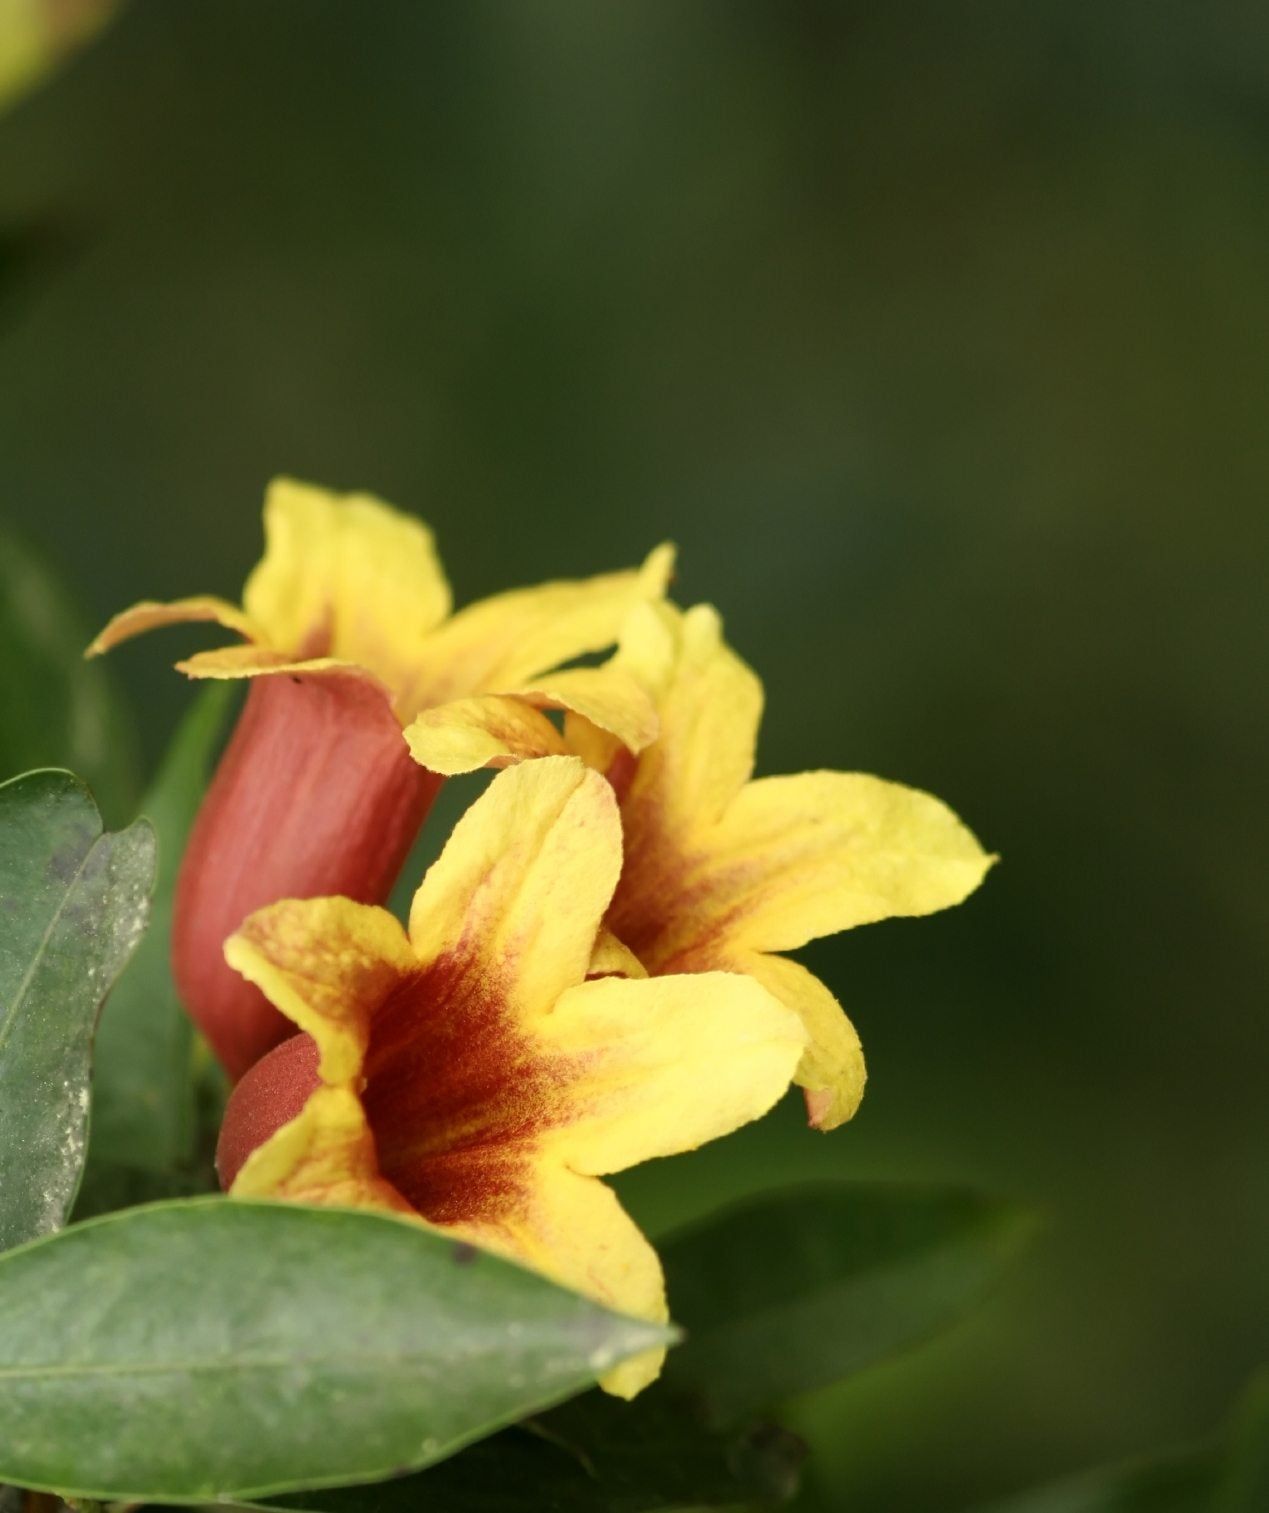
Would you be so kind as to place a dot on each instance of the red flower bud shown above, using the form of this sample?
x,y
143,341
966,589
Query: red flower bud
x,y
272,1093
316,794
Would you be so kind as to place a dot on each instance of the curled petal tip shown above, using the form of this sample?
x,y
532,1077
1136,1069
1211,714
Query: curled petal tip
x,y
659,566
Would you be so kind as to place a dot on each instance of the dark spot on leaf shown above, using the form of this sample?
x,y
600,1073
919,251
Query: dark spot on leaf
x,y
464,1254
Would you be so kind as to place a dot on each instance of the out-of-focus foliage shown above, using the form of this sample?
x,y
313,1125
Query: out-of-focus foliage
x,y
934,334
58,709
35,35
145,1083
798,1290
1228,1475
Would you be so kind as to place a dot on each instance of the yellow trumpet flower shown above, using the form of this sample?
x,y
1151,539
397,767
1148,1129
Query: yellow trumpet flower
x,y
723,872
473,1073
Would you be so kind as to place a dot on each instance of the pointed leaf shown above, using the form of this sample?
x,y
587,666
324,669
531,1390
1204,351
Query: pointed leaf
x,y
214,1348
144,1085
798,1290
73,904
61,711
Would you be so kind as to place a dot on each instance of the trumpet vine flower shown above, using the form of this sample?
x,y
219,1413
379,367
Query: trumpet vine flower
x,y
473,1073
346,633
723,872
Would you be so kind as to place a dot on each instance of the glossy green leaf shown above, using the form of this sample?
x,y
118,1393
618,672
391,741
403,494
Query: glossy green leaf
x,y
144,1078
60,711
73,905
800,1289
213,1348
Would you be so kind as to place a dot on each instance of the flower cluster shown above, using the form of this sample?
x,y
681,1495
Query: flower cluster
x,y
591,975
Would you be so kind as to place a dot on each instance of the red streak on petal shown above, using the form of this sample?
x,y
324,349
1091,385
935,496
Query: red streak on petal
x,y
272,1093
456,1096
315,795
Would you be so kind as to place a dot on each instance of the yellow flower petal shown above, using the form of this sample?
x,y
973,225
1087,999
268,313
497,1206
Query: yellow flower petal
x,y
250,661
326,963
648,646
345,575
149,615
610,958
508,640
326,1154
646,652
831,1071
486,730
517,895
574,1230
608,697
803,856
710,710
495,730
666,1064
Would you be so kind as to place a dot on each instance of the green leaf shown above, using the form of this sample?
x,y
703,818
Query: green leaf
x,y
144,1084
214,1348
1180,1484
777,1296
73,904
593,1455
61,711
800,1289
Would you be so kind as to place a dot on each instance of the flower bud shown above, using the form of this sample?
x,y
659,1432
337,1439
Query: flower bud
x,y
316,794
271,1094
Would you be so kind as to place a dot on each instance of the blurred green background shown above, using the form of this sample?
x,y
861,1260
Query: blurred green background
x,y
937,335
